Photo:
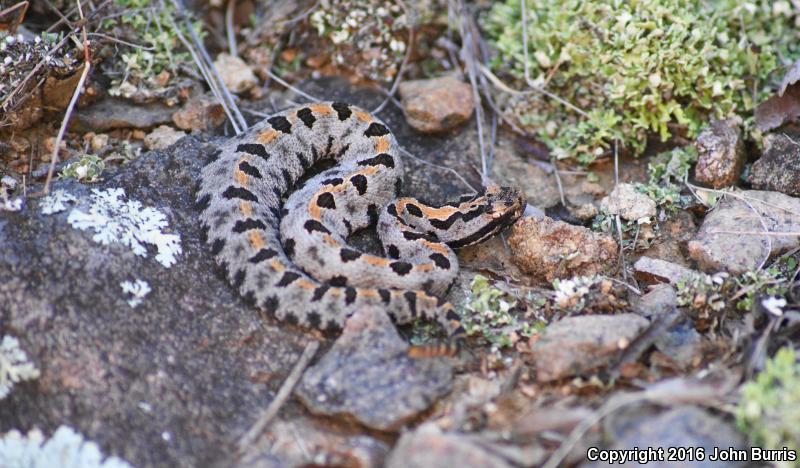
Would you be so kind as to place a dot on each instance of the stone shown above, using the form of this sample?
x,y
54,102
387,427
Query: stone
x,y
574,345
110,113
661,299
369,376
428,447
235,73
548,249
720,154
653,270
162,137
168,383
681,426
628,203
199,114
436,105
778,169
279,448
729,237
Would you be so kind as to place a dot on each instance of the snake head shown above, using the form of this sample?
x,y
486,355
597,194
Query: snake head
x,y
499,206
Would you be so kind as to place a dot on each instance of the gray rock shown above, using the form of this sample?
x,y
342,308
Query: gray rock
x,y
427,447
578,344
661,299
778,168
682,343
627,202
167,383
729,237
368,375
109,114
685,426
654,270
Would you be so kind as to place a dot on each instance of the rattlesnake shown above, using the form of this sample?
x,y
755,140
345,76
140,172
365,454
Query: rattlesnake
x,y
290,257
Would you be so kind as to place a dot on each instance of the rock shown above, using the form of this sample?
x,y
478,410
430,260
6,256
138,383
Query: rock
x,y
109,113
729,237
236,74
682,344
96,141
577,344
661,299
436,105
428,447
548,249
683,426
169,383
320,446
778,169
628,203
199,114
653,270
162,137
720,154
369,376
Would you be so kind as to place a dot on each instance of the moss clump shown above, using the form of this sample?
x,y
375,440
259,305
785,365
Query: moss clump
x,y
769,410
159,55
635,67
494,315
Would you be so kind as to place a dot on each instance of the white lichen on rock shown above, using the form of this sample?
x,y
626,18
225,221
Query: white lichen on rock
x,y
137,290
116,220
7,187
56,202
65,449
14,366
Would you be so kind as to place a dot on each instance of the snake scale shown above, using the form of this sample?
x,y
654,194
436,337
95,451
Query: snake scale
x,y
284,247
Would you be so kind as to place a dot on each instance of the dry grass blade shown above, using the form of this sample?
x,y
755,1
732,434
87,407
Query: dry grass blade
x,y
203,61
283,394
87,65
20,8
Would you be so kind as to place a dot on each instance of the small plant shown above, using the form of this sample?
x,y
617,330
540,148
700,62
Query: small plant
x,y
87,169
494,315
705,296
160,54
636,68
769,409
772,281
667,172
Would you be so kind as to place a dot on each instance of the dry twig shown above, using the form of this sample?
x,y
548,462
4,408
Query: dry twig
x,y
283,394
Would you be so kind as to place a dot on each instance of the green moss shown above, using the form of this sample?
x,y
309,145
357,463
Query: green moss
x,y
667,173
151,26
493,315
636,67
769,409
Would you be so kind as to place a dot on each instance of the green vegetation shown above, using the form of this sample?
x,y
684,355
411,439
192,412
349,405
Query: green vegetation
x,y
151,26
769,410
493,315
637,67
667,173
87,169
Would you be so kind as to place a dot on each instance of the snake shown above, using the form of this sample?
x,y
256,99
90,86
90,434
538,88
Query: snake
x,y
279,231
